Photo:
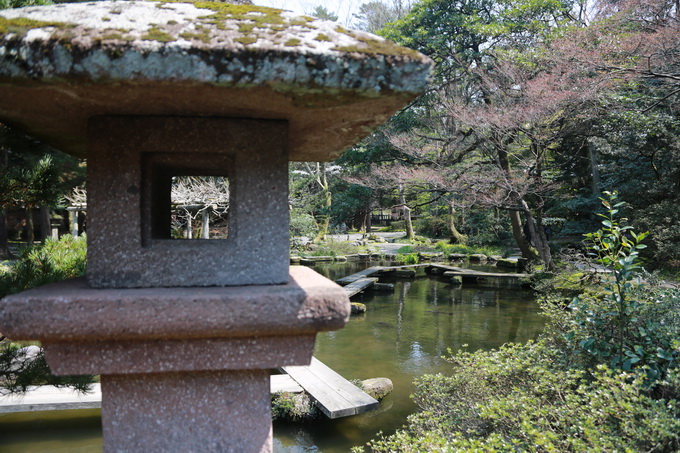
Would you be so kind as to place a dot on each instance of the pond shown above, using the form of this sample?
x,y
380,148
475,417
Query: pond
x,y
403,335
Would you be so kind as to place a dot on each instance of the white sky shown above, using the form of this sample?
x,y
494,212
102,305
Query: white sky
x,y
343,8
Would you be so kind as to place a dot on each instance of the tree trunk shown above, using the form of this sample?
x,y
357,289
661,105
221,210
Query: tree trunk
x,y
45,224
456,237
407,215
528,252
525,248
4,239
30,227
327,202
594,169
540,241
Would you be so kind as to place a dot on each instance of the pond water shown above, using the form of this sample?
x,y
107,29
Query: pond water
x,y
402,336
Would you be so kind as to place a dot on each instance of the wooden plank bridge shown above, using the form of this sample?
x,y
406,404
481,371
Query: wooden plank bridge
x,y
362,280
334,395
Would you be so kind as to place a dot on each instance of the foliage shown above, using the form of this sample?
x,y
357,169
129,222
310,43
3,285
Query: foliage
x,y
614,328
467,249
53,261
18,372
410,258
514,399
5,4
333,248
293,407
302,224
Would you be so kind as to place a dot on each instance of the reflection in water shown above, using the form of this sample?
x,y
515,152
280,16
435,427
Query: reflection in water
x,y
402,336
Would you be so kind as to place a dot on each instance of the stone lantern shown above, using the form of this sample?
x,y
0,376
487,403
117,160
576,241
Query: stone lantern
x,y
184,332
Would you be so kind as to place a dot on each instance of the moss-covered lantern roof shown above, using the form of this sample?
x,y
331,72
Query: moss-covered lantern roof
x,y
62,64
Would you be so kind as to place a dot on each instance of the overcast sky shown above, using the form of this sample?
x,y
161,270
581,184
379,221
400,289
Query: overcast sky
x,y
343,8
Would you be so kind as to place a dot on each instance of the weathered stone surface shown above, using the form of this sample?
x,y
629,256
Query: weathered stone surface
x,y
130,163
457,257
477,258
62,64
378,388
383,287
71,311
358,308
163,356
508,263
430,256
188,412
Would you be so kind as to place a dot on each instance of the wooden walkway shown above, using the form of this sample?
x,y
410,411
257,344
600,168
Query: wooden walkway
x,y
359,285
334,395
451,271
375,270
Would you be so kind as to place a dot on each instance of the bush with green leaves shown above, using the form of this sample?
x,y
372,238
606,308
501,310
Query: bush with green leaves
x,y
408,258
53,261
514,399
616,328
293,407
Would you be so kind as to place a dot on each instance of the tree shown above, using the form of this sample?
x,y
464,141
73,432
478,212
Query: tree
x,y
373,16
322,13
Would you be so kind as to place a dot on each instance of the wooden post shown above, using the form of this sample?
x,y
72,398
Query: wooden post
x,y
73,221
205,228
189,226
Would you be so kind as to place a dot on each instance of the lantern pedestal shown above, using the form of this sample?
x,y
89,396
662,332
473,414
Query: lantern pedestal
x,y
210,411
183,369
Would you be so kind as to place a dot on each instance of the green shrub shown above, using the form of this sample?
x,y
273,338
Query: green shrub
x,y
17,373
514,399
410,258
292,407
53,261
615,328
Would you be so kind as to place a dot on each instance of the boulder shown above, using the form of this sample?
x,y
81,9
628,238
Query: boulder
x,y
457,257
430,256
378,388
456,280
507,263
386,287
358,308
477,258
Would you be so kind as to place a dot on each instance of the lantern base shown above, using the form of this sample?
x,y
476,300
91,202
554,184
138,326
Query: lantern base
x,y
216,411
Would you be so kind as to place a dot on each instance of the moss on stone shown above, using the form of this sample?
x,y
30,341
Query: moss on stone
x,y
203,37
379,47
245,40
156,34
322,37
22,25
292,42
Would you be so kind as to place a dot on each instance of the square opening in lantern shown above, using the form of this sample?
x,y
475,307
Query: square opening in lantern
x,y
185,198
